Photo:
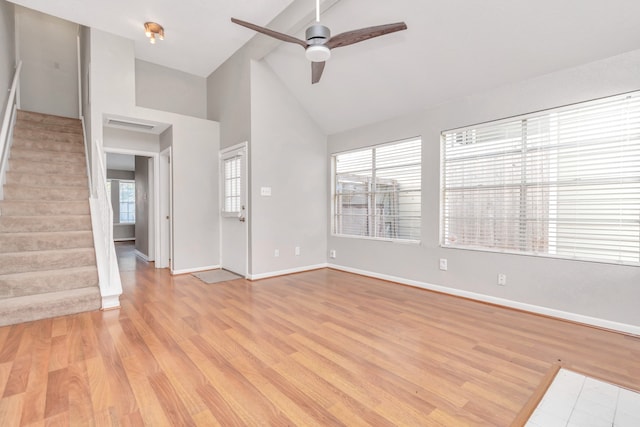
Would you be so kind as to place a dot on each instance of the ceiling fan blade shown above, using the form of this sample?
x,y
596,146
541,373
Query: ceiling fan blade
x,y
355,36
270,33
316,71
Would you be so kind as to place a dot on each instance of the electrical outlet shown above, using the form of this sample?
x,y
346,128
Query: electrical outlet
x,y
443,264
276,253
332,253
502,279
297,251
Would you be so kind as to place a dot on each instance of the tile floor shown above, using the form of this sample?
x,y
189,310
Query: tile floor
x,y
574,400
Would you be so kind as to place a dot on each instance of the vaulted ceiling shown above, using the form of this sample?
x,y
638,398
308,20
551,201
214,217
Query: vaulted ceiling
x,y
452,48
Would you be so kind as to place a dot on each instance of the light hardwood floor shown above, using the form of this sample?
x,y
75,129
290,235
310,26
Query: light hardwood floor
x,y
320,348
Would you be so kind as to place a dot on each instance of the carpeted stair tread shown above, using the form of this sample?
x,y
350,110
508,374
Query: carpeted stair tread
x,y
22,262
30,166
70,127
44,118
35,282
40,208
47,156
36,223
26,192
45,241
44,180
46,135
51,304
39,144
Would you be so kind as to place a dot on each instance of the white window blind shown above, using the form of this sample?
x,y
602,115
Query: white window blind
x,y
562,183
232,184
377,191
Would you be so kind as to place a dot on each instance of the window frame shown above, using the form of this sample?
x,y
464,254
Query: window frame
x,y
522,119
235,155
333,197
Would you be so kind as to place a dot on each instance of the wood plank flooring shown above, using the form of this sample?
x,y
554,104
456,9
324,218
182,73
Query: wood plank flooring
x,y
322,348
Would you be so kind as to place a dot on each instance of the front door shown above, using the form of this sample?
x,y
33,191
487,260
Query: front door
x,y
233,209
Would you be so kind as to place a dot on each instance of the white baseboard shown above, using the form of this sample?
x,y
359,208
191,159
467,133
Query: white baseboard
x,y
110,302
285,272
194,270
141,255
573,317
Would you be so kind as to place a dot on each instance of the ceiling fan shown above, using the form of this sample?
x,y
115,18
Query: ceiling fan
x,y
319,42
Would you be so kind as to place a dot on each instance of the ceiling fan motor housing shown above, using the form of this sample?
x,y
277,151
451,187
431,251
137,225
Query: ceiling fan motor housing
x,y
317,34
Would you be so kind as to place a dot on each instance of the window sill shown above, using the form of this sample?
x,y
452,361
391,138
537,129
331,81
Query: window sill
x,y
379,239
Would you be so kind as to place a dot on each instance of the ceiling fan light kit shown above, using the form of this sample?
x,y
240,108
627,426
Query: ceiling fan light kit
x,y
318,43
318,53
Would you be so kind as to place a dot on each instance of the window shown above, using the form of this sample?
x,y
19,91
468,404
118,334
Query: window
x,y
377,191
127,201
232,184
563,183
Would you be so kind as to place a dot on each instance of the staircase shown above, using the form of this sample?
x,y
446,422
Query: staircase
x,y
47,258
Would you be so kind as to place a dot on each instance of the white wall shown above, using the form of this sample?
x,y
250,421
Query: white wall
x,y
143,186
166,139
47,47
229,99
601,291
166,89
287,153
195,150
115,138
7,51
85,65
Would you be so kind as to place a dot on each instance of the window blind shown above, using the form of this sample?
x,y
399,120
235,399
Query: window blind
x,y
377,191
564,182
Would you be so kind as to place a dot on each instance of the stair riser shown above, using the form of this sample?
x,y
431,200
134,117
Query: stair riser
x,y
33,116
36,144
36,180
47,156
45,135
21,262
25,166
21,192
29,308
46,118
23,242
17,285
26,224
28,208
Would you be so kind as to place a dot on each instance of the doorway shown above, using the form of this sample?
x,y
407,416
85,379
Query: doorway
x,y
234,218
165,248
151,195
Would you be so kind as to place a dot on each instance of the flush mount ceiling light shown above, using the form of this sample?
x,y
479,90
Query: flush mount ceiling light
x,y
153,31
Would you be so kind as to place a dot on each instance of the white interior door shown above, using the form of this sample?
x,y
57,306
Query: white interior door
x,y
233,209
165,247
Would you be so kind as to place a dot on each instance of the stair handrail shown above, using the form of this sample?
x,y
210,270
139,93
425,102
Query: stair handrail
x,y
6,133
102,226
